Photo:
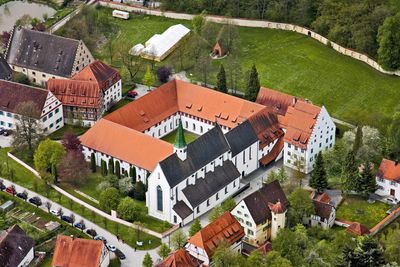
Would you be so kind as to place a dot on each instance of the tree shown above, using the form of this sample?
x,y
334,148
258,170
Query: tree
x,y
234,70
148,78
133,64
125,186
93,162
110,50
129,210
103,168
109,199
292,245
163,74
350,173
72,216
111,166
392,248
195,227
224,256
394,137
228,204
178,239
147,261
49,153
79,120
203,67
48,205
367,179
132,174
274,259
221,80
358,140
118,169
389,43
71,142
318,179
139,191
301,206
214,214
198,22
28,131
74,169
163,251
253,84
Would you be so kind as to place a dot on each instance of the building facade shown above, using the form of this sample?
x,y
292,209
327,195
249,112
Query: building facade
x,y
388,180
13,95
17,248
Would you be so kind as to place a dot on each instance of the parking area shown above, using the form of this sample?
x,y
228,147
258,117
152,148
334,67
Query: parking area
x,y
5,141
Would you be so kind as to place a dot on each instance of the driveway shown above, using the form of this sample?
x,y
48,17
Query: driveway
x,y
133,259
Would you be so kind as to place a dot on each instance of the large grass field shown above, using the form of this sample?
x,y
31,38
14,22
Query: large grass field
x,y
359,210
288,62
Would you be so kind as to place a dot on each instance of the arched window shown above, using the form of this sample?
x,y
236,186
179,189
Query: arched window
x,y
159,198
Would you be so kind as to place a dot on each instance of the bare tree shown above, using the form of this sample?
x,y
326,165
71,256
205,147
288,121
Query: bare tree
x,y
72,219
133,63
48,205
204,67
110,50
28,128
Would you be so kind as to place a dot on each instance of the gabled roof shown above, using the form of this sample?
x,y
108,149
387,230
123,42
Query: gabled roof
x,y
357,229
14,246
182,209
179,258
276,101
98,72
200,152
126,144
77,252
41,51
258,202
389,170
13,94
5,70
241,137
213,182
224,228
76,93
323,210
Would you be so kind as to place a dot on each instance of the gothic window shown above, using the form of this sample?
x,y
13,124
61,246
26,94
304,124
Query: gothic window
x,y
159,198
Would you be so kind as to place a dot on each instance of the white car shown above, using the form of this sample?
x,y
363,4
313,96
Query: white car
x,y
55,212
111,247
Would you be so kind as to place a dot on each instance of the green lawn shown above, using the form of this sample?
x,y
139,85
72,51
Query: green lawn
x,y
118,105
27,179
189,137
59,134
359,210
288,62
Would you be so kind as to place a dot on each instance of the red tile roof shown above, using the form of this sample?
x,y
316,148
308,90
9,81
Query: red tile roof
x,y
179,258
126,144
277,208
225,228
77,252
277,102
273,153
389,170
357,229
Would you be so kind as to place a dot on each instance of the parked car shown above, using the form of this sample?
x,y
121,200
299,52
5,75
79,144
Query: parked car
x,y
35,201
3,187
11,190
119,254
55,212
132,93
111,247
80,226
2,130
102,238
91,232
66,218
22,196
6,133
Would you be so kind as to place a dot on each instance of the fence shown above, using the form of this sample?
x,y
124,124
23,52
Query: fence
x,y
385,222
256,24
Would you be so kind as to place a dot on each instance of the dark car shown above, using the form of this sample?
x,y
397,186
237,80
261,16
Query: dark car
x,y
66,218
6,133
91,232
11,190
22,196
80,226
2,130
3,187
119,254
102,238
35,201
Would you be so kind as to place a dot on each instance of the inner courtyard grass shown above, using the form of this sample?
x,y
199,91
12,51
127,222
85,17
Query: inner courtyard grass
x,y
189,137
286,61
357,209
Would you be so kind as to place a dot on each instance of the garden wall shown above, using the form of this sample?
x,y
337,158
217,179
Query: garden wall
x,y
256,24
385,222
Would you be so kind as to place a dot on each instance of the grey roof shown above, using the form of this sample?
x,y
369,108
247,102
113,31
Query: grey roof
x,y
182,209
5,70
14,246
257,202
241,137
213,182
42,51
200,152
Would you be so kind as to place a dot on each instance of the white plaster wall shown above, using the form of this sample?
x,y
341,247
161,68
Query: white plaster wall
x,y
247,161
385,186
28,258
243,216
112,95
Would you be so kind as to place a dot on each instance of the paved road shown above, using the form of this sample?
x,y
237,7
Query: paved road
x,y
133,259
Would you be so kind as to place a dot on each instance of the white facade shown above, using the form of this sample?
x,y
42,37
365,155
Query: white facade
x,y
51,117
28,259
322,138
105,257
278,222
251,231
112,95
316,220
388,188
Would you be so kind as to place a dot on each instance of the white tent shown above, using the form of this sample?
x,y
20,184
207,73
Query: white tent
x,y
136,50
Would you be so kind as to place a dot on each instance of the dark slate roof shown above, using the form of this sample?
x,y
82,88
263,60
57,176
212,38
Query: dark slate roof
x,y
182,209
323,210
200,152
12,94
213,182
5,70
14,246
241,137
257,202
42,51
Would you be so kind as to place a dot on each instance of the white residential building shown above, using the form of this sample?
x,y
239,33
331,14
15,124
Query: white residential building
x,y
388,180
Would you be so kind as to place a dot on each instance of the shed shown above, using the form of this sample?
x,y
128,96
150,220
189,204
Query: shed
x,y
7,206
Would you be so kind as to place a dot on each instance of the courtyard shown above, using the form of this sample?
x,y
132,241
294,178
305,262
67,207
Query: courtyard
x,y
189,137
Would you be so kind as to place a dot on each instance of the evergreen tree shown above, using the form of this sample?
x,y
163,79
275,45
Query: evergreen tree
x,y
195,227
147,261
118,169
350,172
367,180
253,84
163,251
358,140
221,80
93,162
139,191
111,166
368,253
148,78
318,177
132,174
54,172
103,168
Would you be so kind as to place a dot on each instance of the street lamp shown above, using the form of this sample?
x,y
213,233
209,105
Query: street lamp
x,y
191,77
